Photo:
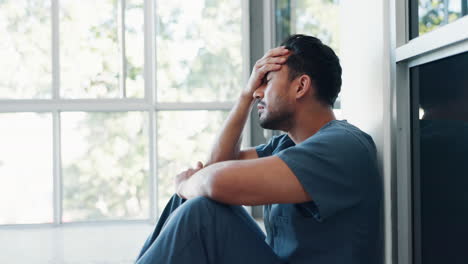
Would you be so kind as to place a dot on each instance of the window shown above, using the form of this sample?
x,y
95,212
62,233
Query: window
x,y
104,161
199,50
102,103
430,124
318,18
25,49
428,15
185,137
26,189
440,152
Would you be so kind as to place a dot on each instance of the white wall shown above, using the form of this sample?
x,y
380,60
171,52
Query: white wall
x,y
366,98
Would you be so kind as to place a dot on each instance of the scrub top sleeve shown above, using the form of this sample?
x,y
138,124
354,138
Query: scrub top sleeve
x,y
331,169
264,150
272,146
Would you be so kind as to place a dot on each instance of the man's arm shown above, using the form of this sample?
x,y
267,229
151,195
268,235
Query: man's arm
x,y
213,179
227,145
245,182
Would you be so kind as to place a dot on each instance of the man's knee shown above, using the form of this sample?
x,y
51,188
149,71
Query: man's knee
x,y
203,210
202,204
203,207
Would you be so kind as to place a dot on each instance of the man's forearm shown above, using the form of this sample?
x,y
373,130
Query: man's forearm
x,y
199,184
227,144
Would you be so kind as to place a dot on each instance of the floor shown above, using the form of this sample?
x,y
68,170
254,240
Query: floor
x,y
85,244
75,244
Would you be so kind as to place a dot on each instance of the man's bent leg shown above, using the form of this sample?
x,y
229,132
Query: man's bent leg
x,y
205,231
171,206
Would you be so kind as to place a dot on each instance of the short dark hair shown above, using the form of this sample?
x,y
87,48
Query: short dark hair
x,y
311,57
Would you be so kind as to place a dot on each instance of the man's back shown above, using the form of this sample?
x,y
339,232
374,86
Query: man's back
x,y
337,167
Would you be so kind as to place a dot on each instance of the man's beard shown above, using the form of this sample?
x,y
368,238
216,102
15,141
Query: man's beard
x,y
276,121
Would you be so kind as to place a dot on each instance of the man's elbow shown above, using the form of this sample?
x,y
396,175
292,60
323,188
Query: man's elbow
x,y
214,186
219,188
228,190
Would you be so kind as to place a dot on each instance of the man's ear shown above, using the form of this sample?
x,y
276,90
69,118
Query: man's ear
x,y
303,86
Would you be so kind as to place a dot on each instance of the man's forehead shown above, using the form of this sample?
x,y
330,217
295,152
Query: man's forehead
x,y
273,73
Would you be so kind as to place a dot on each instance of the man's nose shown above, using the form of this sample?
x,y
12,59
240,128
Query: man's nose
x,y
258,94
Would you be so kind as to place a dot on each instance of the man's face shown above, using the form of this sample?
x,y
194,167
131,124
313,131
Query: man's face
x,y
276,104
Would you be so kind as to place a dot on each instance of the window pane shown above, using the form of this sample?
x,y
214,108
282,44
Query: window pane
x,y
25,64
91,48
105,165
431,14
199,53
318,18
26,174
184,137
440,155
134,47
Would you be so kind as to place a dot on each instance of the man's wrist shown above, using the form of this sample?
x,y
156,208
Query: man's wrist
x,y
248,98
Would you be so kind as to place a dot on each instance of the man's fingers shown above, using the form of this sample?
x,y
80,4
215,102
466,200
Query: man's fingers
x,y
199,165
268,68
279,51
274,60
271,61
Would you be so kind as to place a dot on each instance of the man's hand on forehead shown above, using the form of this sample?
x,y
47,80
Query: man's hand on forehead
x,y
271,61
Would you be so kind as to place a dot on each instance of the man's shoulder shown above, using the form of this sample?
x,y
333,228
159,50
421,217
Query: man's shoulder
x,y
339,137
339,131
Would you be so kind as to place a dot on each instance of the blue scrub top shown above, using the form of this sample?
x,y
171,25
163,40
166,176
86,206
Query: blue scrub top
x,y
337,167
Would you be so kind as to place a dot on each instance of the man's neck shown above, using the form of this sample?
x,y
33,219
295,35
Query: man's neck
x,y
307,123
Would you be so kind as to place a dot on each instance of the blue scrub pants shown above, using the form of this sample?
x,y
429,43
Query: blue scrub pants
x,y
201,230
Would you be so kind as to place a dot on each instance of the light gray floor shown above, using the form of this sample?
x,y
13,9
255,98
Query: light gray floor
x,y
75,244
85,244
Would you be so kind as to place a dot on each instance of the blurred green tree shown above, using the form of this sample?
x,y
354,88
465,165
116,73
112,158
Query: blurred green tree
x,y
432,15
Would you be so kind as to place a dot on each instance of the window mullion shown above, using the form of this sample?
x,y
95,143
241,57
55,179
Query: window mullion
x,y
57,176
150,95
193,106
152,179
57,169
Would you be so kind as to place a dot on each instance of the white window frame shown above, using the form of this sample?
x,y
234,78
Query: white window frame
x,y
148,104
448,40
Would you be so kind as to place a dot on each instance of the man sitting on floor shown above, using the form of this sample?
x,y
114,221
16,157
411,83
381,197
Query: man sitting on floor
x,y
319,183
